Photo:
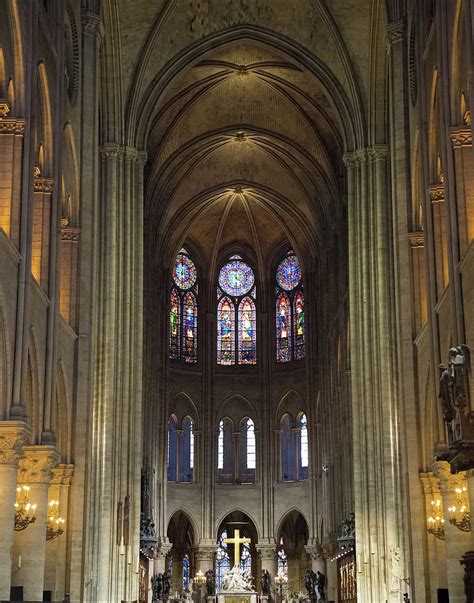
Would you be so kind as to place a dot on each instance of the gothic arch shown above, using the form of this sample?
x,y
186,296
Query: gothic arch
x,y
291,403
294,514
182,405
236,514
235,407
179,519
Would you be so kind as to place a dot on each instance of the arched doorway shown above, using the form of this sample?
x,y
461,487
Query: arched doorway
x,y
237,520
292,537
180,560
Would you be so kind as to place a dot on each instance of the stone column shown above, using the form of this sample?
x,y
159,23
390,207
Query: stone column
x,y
35,471
457,541
268,557
56,550
13,435
159,565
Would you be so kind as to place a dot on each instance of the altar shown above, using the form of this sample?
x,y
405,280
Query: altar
x,y
236,597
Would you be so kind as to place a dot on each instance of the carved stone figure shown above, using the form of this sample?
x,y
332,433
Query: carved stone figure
x,y
237,580
266,582
166,585
188,591
454,381
348,527
310,584
210,583
320,584
157,587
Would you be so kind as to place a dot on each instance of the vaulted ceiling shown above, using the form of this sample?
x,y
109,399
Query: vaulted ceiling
x,y
245,110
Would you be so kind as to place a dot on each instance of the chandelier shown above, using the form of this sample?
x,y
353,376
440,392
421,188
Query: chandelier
x,y
25,512
55,525
436,520
460,516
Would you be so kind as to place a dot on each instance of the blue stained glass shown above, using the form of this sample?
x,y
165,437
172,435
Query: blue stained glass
x,y
184,272
288,273
236,278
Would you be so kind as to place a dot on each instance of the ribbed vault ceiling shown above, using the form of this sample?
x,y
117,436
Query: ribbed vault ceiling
x,y
244,148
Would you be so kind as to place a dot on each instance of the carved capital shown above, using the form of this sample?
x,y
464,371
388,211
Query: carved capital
x,y
429,483
142,157
111,150
4,108
396,31
436,193
43,185
62,475
378,152
315,552
448,482
12,125
68,233
205,553
13,436
417,239
90,23
36,465
461,136
267,551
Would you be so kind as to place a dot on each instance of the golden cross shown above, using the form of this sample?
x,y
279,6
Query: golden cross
x,y
237,541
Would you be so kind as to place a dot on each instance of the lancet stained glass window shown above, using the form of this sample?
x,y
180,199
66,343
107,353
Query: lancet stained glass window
x,y
289,310
236,314
183,317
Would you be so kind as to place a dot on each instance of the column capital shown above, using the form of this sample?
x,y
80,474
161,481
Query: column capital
x,y
315,552
62,475
205,552
162,550
461,136
37,464
267,551
12,125
448,482
13,436
429,483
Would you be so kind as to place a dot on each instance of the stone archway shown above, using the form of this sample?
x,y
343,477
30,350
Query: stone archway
x,y
292,536
180,559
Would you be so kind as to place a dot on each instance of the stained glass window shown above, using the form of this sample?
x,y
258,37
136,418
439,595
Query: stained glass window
x,y
183,310
282,560
226,332
222,561
247,332
185,571
184,272
236,314
288,274
289,310
283,326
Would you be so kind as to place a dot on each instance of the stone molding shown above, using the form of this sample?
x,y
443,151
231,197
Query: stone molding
x,y
62,475
461,136
13,436
378,152
43,185
37,463
316,552
12,125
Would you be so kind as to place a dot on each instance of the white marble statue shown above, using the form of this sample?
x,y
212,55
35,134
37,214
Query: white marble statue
x,y
237,581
